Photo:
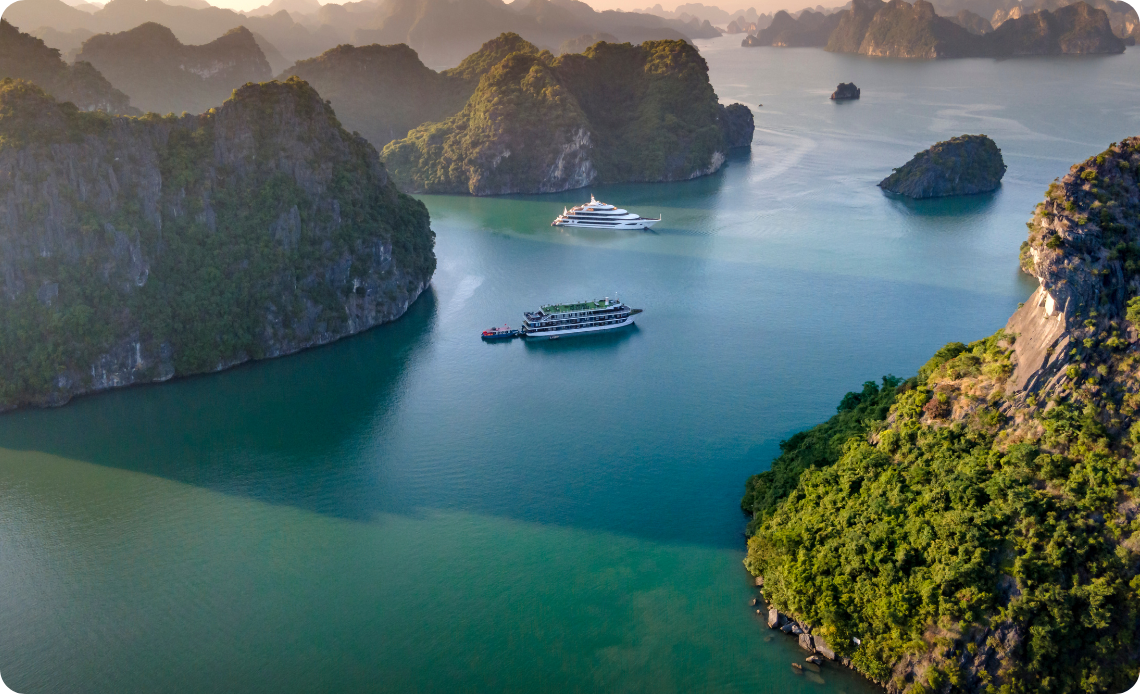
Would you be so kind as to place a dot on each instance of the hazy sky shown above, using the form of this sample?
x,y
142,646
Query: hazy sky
x,y
761,6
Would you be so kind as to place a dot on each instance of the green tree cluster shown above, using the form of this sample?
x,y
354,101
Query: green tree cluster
x,y
906,537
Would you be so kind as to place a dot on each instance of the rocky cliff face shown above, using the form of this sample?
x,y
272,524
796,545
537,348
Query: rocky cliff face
x,y
1075,29
1121,16
1084,249
963,165
133,250
28,58
898,29
738,125
539,124
852,28
902,30
162,75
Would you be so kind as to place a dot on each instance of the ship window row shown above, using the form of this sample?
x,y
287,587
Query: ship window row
x,y
583,321
547,329
580,316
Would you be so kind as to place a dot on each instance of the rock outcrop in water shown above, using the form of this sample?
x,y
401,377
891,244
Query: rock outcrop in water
x,y
137,249
538,124
996,495
28,58
959,166
162,75
846,91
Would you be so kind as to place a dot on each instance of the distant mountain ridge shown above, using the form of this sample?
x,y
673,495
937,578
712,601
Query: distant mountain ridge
x,y
25,57
163,75
382,92
441,31
785,31
899,29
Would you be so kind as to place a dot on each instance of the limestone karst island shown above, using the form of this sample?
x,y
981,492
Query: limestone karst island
x,y
559,346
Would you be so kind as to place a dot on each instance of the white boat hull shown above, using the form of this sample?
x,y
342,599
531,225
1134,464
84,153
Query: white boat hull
x,y
578,331
640,224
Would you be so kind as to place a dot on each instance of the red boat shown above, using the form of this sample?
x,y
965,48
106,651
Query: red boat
x,y
503,333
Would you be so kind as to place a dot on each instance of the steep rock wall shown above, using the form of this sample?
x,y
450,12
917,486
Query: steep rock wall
x,y
136,249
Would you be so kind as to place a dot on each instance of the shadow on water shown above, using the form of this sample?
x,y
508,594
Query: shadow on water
x,y
957,206
269,430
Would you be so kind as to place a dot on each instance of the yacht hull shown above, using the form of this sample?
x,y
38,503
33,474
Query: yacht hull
x,y
641,225
578,331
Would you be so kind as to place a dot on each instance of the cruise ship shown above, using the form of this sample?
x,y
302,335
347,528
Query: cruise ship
x,y
556,320
599,215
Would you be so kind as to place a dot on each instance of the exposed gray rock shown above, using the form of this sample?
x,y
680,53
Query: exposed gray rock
x,y
823,648
775,619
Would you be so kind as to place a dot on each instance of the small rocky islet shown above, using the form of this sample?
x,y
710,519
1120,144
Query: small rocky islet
x,y
846,91
964,165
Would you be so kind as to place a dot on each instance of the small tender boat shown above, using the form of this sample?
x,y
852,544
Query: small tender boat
x,y
503,333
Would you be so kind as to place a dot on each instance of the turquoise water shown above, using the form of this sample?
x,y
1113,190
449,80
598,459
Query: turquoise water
x,y
414,510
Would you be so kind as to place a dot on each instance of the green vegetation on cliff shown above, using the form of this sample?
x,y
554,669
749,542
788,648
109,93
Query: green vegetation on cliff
x,y
962,165
160,246
28,58
537,123
975,529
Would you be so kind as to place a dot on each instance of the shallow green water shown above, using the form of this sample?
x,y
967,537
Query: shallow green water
x,y
414,510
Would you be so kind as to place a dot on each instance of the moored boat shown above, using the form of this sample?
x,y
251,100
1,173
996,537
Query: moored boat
x,y
503,333
556,320
600,215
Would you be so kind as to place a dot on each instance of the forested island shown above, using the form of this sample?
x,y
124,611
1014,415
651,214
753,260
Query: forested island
x,y
536,123
974,528
116,269
963,165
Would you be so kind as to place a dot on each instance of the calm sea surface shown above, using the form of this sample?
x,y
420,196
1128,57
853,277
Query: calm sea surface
x,y
414,510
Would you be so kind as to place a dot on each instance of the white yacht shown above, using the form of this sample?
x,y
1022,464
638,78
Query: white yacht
x,y
599,215
556,320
